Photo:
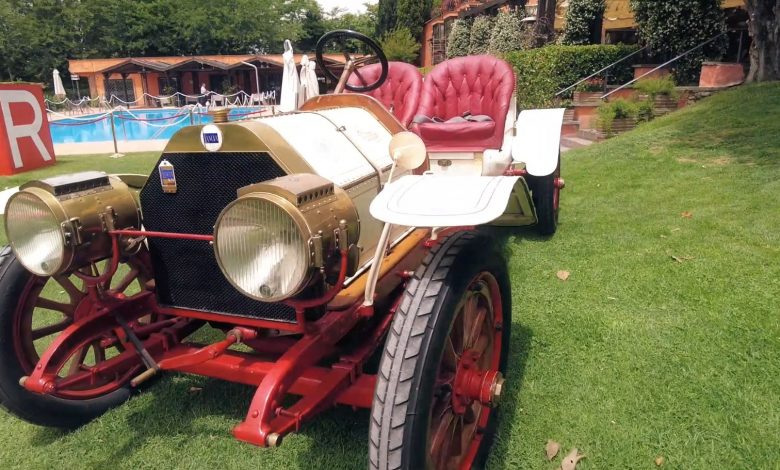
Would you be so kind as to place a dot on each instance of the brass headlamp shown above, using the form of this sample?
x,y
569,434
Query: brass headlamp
x,y
58,224
272,239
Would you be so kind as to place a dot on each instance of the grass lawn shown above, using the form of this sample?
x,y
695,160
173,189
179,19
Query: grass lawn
x,y
637,355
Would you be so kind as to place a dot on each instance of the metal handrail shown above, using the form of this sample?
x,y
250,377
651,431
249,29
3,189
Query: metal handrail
x,y
600,71
605,96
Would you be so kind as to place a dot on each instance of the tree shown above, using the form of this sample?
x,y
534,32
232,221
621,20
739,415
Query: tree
x,y
365,22
459,39
765,50
481,30
412,14
387,16
671,27
399,44
545,21
582,18
509,34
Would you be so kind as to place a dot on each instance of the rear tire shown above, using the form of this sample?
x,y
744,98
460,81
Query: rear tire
x,y
546,196
44,410
413,398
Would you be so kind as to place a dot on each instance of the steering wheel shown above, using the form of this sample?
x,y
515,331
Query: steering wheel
x,y
352,64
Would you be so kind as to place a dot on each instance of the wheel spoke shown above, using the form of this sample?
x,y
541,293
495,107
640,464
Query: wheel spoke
x,y
450,359
99,351
441,439
128,279
475,328
78,360
51,329
73,292
49,304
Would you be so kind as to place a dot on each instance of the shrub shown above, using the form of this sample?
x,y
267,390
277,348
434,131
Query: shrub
x,y
671,27
509,34
581,20
653,87
542,72
399,44
616,109
481,30
591,85
459,39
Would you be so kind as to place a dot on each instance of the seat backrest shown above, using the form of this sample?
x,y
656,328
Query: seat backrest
x,y
481,84
401,91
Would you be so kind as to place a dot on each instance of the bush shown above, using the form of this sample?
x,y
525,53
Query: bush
x,y
459,39
399,44
591,85
581,20
671,27
509,34
653,87
542,72
621,109
481,30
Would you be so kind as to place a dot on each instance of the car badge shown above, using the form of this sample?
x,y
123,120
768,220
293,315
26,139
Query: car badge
x,y
211,137
167,177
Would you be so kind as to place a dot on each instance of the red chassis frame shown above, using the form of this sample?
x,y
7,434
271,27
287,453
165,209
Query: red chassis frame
x,y
282,365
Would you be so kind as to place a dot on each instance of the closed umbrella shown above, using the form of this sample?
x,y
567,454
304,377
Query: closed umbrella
x,y
59,90
309,85
289,99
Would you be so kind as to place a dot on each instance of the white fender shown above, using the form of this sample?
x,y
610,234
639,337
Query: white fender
x,y
431,200
537,141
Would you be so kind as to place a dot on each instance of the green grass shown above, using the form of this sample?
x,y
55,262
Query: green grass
x,y
635,356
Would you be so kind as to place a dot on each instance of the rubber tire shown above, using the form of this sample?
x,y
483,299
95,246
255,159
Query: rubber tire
x,y
543,195
414,346
43,410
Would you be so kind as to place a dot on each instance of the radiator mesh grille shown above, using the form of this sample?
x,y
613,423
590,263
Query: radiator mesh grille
x,y
186,271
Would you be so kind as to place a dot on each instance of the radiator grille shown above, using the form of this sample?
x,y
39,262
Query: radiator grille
x,y
186,272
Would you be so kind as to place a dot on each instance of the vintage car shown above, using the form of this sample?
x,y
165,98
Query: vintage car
x,y
341,259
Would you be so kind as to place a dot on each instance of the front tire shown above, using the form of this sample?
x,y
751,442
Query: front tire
x,y
453,320
31,314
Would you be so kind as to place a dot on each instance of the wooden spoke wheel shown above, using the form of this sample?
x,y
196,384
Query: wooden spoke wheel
x,y
441,373
33,311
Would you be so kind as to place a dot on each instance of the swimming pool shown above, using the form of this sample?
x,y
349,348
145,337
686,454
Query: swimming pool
x,y
131,125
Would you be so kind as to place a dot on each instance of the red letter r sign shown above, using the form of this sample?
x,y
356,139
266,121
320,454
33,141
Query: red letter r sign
x,y
25,140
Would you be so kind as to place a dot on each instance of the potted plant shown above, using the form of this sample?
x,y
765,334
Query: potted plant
x,y
589,91
660,92
617,116
721,74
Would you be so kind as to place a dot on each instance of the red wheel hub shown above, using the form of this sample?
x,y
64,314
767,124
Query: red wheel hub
x,y
473,384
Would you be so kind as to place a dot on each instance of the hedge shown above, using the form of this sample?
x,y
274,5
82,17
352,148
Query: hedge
x,y
543,72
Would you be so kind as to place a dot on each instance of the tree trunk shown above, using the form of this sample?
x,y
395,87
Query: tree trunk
x,y
764,27
545,21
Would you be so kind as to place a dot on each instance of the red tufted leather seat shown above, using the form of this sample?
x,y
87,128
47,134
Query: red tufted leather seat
x,y
401,91
477,85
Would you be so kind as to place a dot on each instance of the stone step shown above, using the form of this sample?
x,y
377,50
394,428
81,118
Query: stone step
x,y
592,135
570,127
573,142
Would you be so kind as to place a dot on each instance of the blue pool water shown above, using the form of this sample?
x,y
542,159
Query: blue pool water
x,y
162,124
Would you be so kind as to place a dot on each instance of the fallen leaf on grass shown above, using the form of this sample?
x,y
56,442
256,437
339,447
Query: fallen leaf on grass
x,y
682,259
563,275
195,389
570,461
552,449
687,215
659,460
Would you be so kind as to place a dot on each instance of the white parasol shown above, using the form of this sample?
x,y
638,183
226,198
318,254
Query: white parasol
x,y
288,101
59,90
309,85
